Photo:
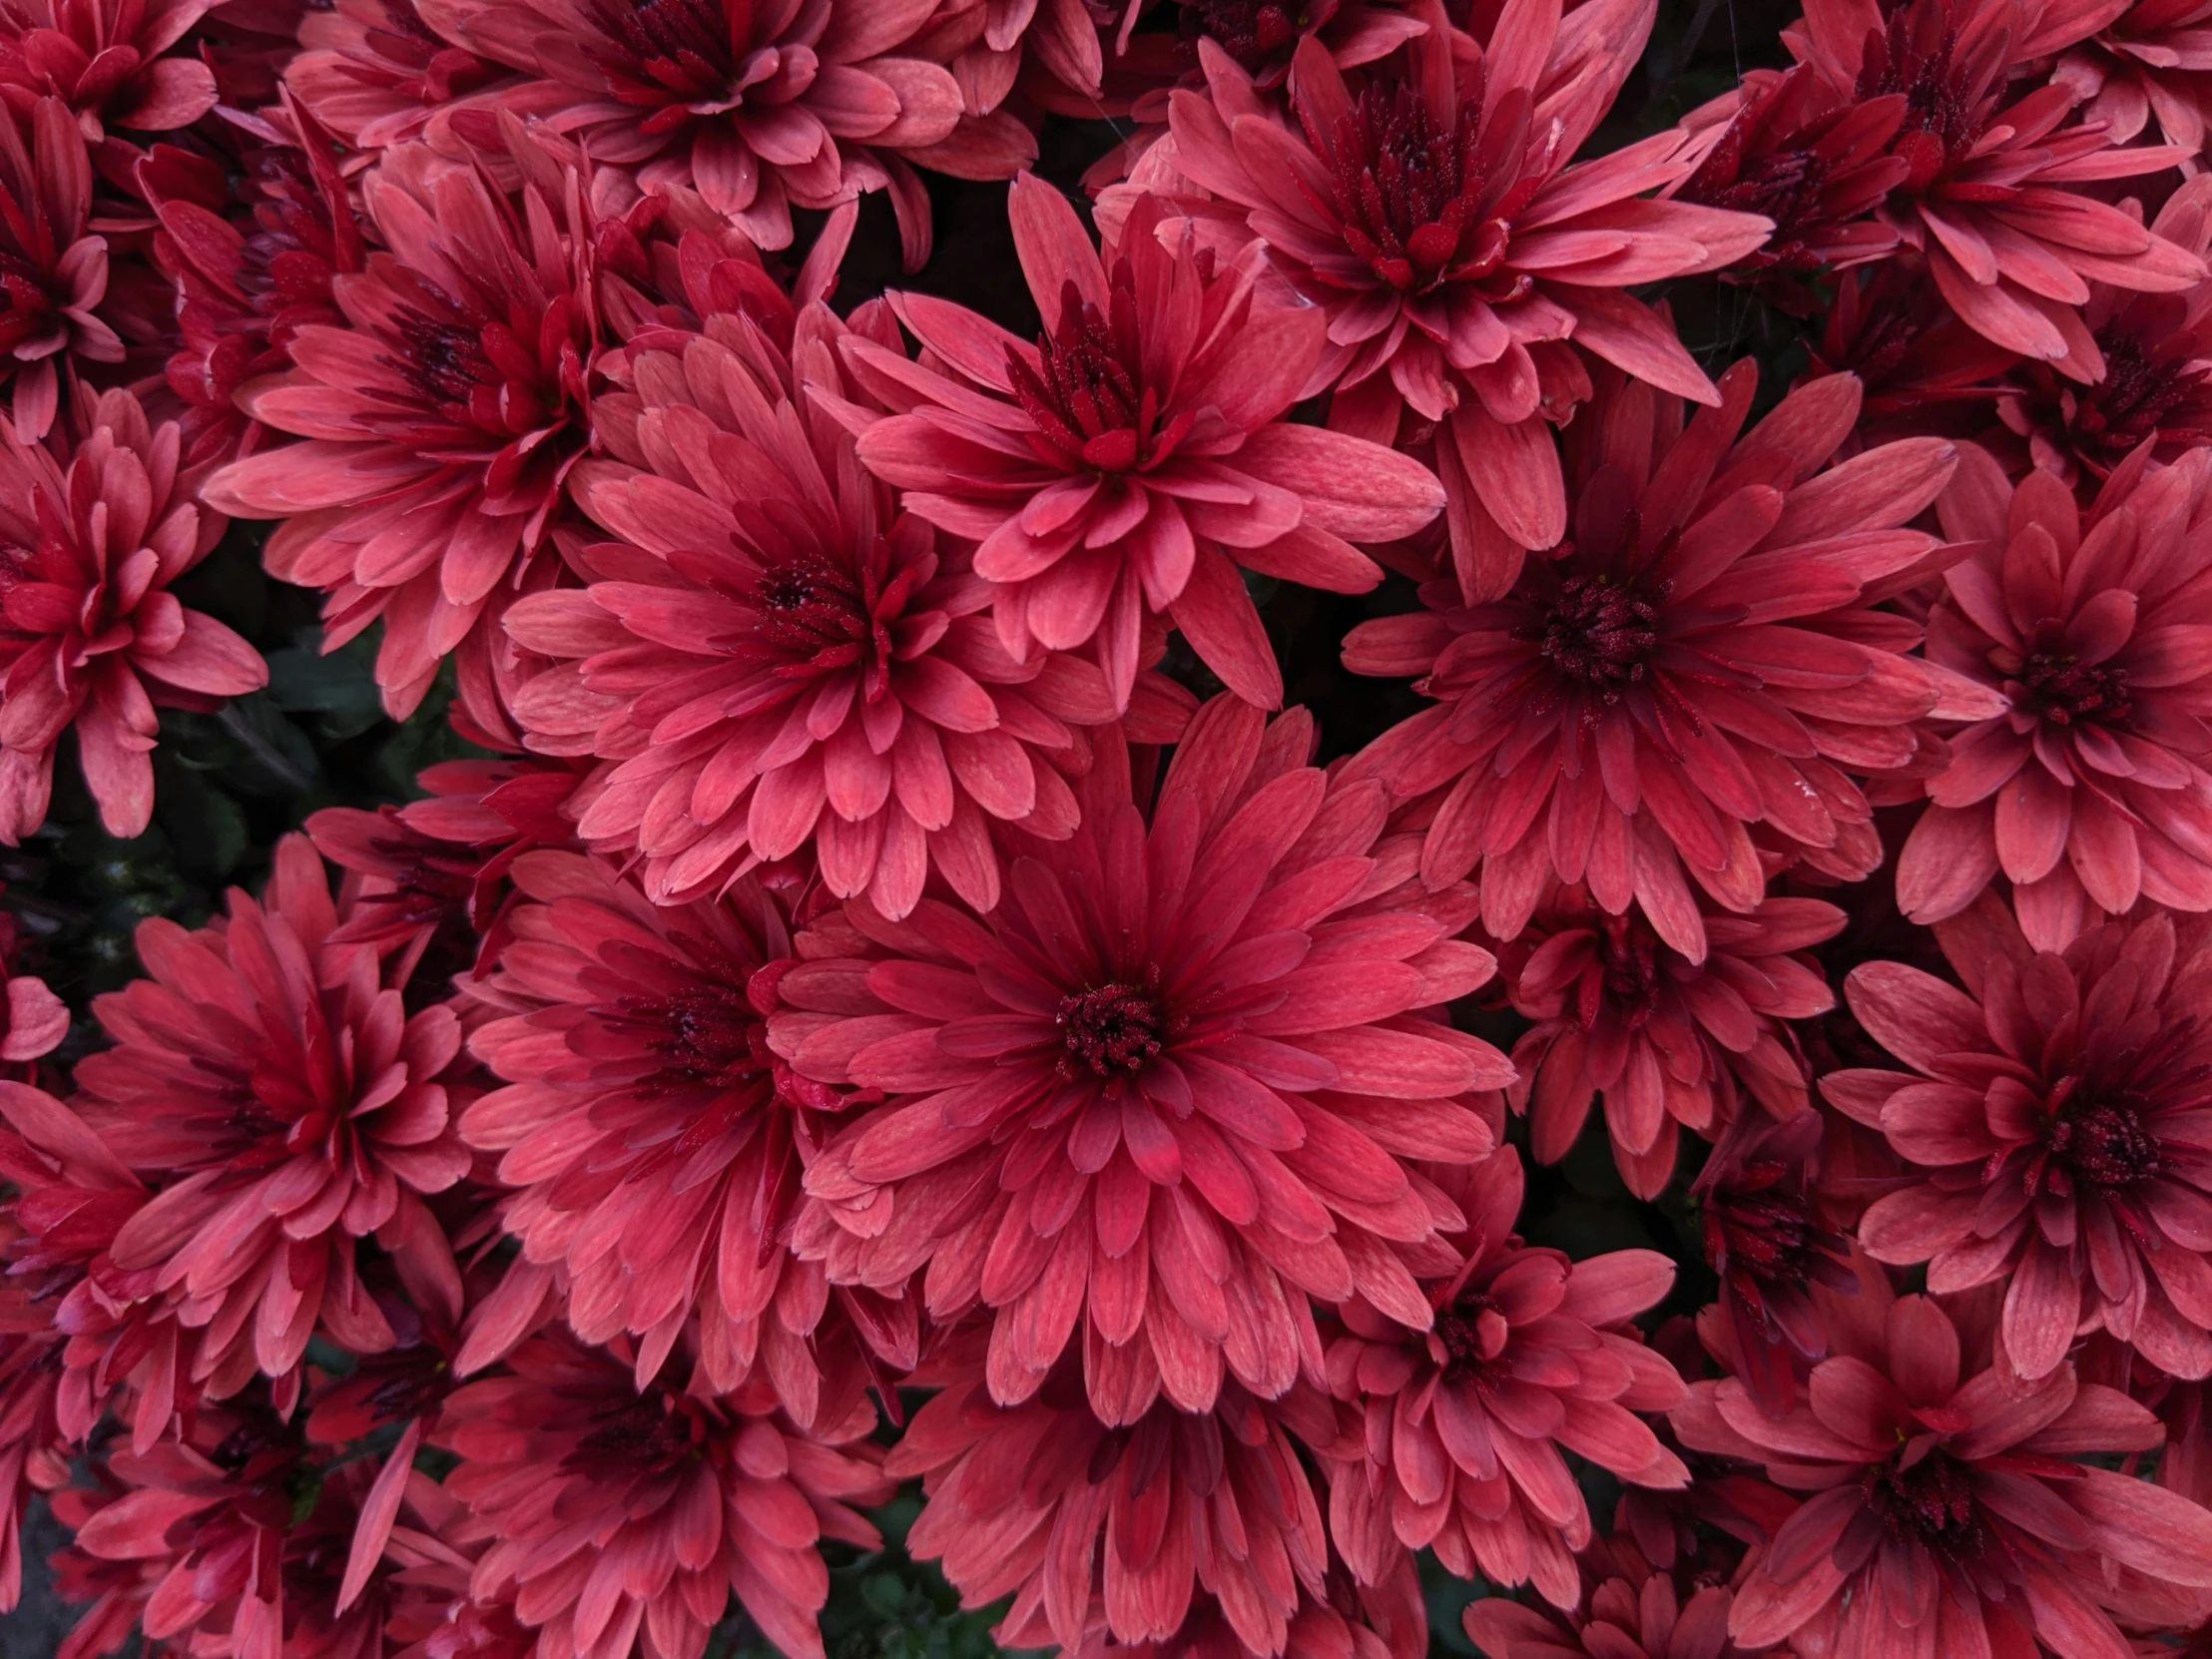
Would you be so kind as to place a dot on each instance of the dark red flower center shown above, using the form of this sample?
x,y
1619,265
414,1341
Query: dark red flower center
x,y
1628,953
1407,185
1113,1029
2141,397
669,52
657,1430
1930,1503
1472,1333
707,1035
1259,34
1598,633
2065,691
1087,393
1917,55
2106,1146
814,614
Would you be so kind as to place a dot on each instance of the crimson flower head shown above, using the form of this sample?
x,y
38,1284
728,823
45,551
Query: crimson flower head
x,y
656,1144
2142,71
1702,654
1133,1526
1520,1354
1624,1016
94,528
290,1105
108,61
757,108
1189,1058
2156,386
1946,1509
2086,784
627,1513
1434,219
57,270
2050,1110
1133,458
1987,199
1634,1614
776,649
1770,1243
439,419
374,71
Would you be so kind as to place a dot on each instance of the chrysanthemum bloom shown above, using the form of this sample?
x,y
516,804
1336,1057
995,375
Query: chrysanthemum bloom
x,y
251,249
110,61
1467,1414
373,73
2054,1123
2009,243
1168,1090
1770,1243
208,1514
2087,788
2147,65
1783,146
1701,655
1924,370
94,527
1432,216
1946,1511
655,1142
1043,1500
1663,1039
1625,1619
626,1516
760,109
440,425
775,650
2156,387
57,270
290,1105
443,860
1136,455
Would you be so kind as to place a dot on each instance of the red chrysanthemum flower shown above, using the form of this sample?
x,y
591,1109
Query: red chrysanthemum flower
x,y
92,534
110,61
1467,1414
2088,786
1432,216
2053,1120
1947,1510
291,1105
444,860
440,425
760,109
208,1520
1076,1517
1987,199
1640,1614
1786,147
2146,65
777,652
1701,655
53,269
1664,1040
375,73
1180,1069
623,1517
252,243
1770,1242
657,1145
1133,458
2156,387
1925,371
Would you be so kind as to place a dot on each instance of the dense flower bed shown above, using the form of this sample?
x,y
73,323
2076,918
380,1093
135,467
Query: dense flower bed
x,y
1652,1054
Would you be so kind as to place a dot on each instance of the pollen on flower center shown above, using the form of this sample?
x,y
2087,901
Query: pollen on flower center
x,y
445,359
1087,393
812,615
706,1033
1930,1503
2065,691
1405,184
1111,1028
1599,633
1939,101
2106,1146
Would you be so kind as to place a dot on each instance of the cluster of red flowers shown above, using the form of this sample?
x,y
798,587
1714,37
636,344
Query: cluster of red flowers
x,y
898,964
